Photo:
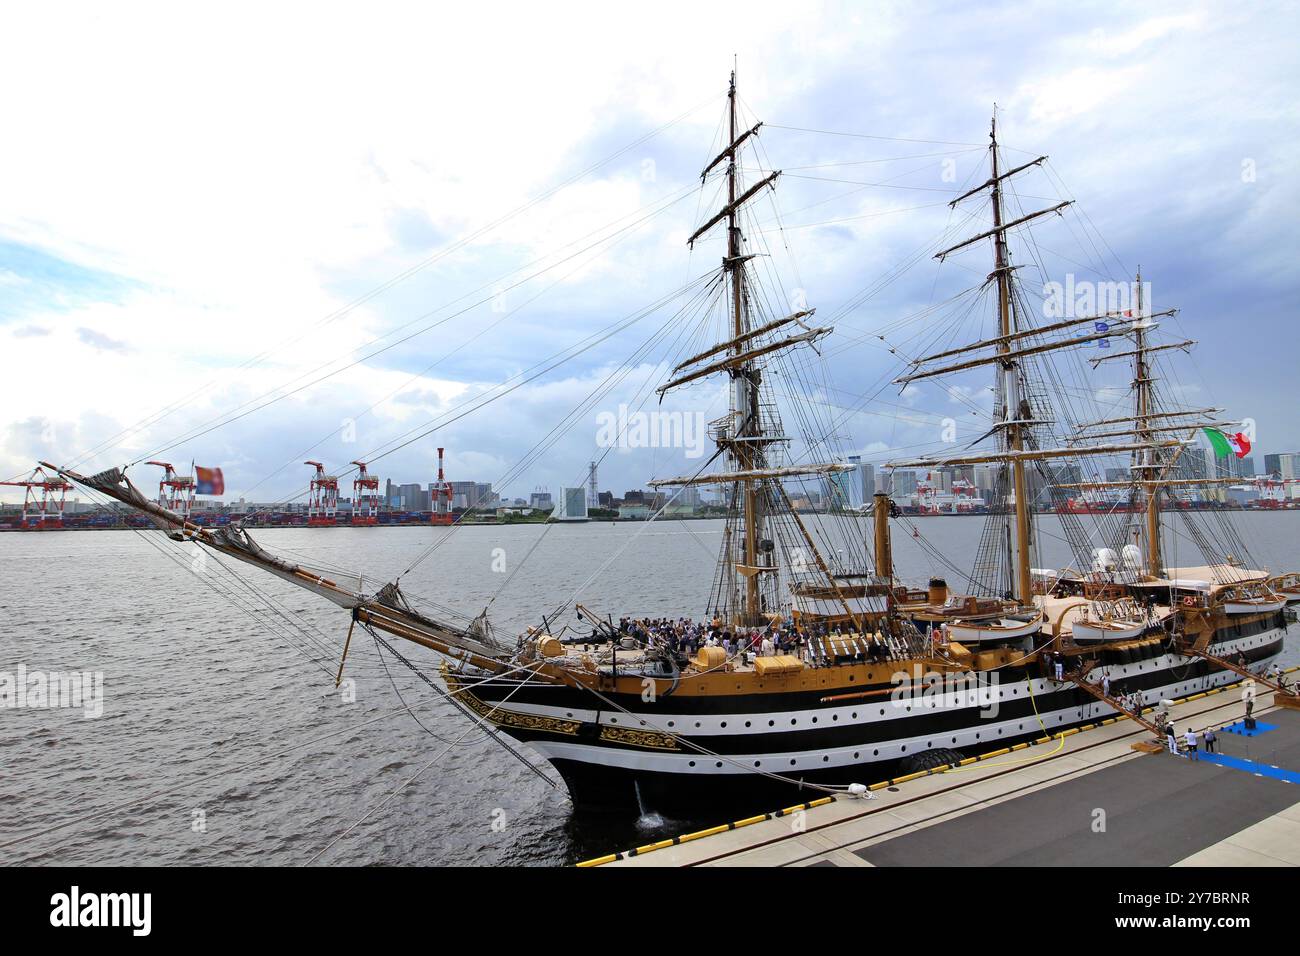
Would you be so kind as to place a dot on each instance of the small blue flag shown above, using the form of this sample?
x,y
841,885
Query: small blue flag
x,y
1103,326
1103,343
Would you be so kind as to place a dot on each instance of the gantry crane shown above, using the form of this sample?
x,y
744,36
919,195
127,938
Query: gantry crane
x,y
43,499
365,496
175,492
322,498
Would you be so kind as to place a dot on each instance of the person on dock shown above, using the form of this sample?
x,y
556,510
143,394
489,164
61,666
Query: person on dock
x,y
1211,740
1191,744
1173,739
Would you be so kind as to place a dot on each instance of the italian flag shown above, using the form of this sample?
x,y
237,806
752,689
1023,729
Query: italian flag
x,y
1225,445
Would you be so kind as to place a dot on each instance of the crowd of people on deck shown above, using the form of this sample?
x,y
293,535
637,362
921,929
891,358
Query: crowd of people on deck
x,y
684,638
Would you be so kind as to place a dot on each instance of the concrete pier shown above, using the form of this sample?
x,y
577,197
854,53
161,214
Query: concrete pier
x,y
1085,798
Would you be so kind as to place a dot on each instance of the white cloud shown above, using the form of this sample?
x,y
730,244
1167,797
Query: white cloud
x,y
247,174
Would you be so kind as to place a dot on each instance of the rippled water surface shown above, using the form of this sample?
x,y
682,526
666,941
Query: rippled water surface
x,y
223,740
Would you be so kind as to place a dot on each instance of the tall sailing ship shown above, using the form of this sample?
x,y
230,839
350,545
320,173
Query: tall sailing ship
x,y
889,675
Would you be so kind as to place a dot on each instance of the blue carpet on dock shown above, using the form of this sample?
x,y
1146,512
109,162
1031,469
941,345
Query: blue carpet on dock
x,y
1239,728
1251,766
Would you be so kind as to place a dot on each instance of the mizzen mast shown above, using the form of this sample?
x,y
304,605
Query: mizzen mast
x,y
1146,457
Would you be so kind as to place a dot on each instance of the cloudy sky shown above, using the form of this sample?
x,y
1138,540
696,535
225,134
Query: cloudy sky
x,y
252,235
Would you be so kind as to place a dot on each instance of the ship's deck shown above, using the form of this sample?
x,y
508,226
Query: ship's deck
x,y
1054,607
1085,799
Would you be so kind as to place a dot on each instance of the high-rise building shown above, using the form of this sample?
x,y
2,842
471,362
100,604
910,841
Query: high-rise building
x,y
464,494
902,483
1283,465
413,497
572,505
855,487
844,488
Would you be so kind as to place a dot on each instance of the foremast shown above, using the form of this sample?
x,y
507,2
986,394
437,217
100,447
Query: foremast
x,y
749,431
1015,412
746,436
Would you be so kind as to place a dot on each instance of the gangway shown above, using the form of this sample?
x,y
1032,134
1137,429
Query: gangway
x,y
1080,678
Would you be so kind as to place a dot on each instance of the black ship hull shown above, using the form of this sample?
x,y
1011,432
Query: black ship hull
x,y
701,756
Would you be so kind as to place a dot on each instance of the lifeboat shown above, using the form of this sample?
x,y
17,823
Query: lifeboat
x,y
1008,627
1258,599
1287,587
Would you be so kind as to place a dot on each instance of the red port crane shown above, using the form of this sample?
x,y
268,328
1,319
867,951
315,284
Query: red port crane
x,y
175,492
322,498
441,504
43,500
365,496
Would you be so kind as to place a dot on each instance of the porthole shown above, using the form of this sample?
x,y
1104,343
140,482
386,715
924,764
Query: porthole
x,y
875,753
724,723
692,763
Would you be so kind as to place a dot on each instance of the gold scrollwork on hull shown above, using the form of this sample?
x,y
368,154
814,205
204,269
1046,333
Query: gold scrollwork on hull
x,y
508,718
638,738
